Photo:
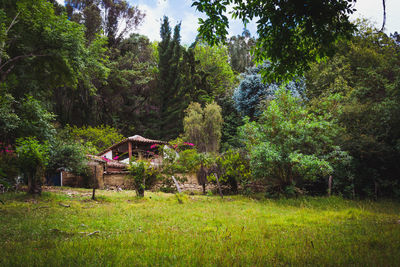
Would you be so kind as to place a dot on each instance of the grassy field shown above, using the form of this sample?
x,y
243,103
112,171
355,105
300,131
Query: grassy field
x,y
120,230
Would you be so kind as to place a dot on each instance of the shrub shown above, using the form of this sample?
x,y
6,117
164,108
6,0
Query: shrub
x,y
141,172
33,158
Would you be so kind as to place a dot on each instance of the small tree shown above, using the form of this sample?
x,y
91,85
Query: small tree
x,y
140,171
234,169
203,126
33,158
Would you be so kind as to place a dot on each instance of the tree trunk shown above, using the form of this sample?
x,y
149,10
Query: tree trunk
x,y
330,186
94,194
34,185
219,186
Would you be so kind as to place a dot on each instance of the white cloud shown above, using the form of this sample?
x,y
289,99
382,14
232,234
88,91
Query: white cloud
x,y
151,24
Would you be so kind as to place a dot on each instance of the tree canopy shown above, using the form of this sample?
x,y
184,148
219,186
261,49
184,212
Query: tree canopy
x,y
291,34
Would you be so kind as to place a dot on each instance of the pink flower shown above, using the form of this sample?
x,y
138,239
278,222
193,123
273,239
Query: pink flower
x,y
153,146
116,157
189,144
106,159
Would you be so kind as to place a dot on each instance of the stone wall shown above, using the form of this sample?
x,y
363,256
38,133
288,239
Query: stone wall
x,y
117,180
95,177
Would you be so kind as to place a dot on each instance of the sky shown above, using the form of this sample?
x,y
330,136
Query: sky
x,y
181,11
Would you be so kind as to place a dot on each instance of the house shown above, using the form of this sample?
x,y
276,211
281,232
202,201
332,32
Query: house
x,y
136,147
109,167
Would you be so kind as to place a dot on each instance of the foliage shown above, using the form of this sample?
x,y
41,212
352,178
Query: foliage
x,y
232,121
9,121
214,63
168,94
365,74
252,90
289,144
39,42
239,48
115,18
67,155
140,171
35,120
96,139
23,118
203,126
291,34
234,168
33,157
8,168
127,96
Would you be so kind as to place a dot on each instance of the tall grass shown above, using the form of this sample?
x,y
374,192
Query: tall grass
x,y
158,231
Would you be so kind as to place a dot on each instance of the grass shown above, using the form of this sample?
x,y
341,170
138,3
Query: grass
x,y
204,230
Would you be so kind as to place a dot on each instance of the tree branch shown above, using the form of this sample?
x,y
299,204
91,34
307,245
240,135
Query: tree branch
x,y
384,15
20,57
12,22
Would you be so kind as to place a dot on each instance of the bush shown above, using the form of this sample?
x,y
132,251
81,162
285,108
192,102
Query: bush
x,y
234,168
33,158
141,172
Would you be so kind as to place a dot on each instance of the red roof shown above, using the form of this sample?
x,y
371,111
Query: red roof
x,y
133,139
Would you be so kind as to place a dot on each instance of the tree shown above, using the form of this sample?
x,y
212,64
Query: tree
x,y
125,101
213,61
34,41
33,158
290,144
116,18
252,90
239,48
291,34
203,126
169,93
140,171
95,138
365,72
67,155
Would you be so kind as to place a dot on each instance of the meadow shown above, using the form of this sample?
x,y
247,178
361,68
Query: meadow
x,y
64,227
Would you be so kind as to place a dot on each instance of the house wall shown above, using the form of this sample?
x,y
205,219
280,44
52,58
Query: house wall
x,y
108,155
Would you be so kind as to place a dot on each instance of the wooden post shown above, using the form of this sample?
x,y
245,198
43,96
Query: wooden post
x,y
330,186
130,151
219,186
176,184
94,180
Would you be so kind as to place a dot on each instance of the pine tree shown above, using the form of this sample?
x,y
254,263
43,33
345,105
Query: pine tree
x,y
169,92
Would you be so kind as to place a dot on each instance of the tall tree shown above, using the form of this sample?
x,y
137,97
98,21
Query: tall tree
x,y
169,92
116,18
203,126
239,48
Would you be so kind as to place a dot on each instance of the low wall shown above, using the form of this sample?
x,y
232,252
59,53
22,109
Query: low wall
x,y
72,180
117,180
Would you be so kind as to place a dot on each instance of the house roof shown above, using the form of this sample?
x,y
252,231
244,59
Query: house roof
x,y
116,164
134,139
96,158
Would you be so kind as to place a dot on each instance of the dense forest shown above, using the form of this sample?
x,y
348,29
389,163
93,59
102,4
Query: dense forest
x,y
75,79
